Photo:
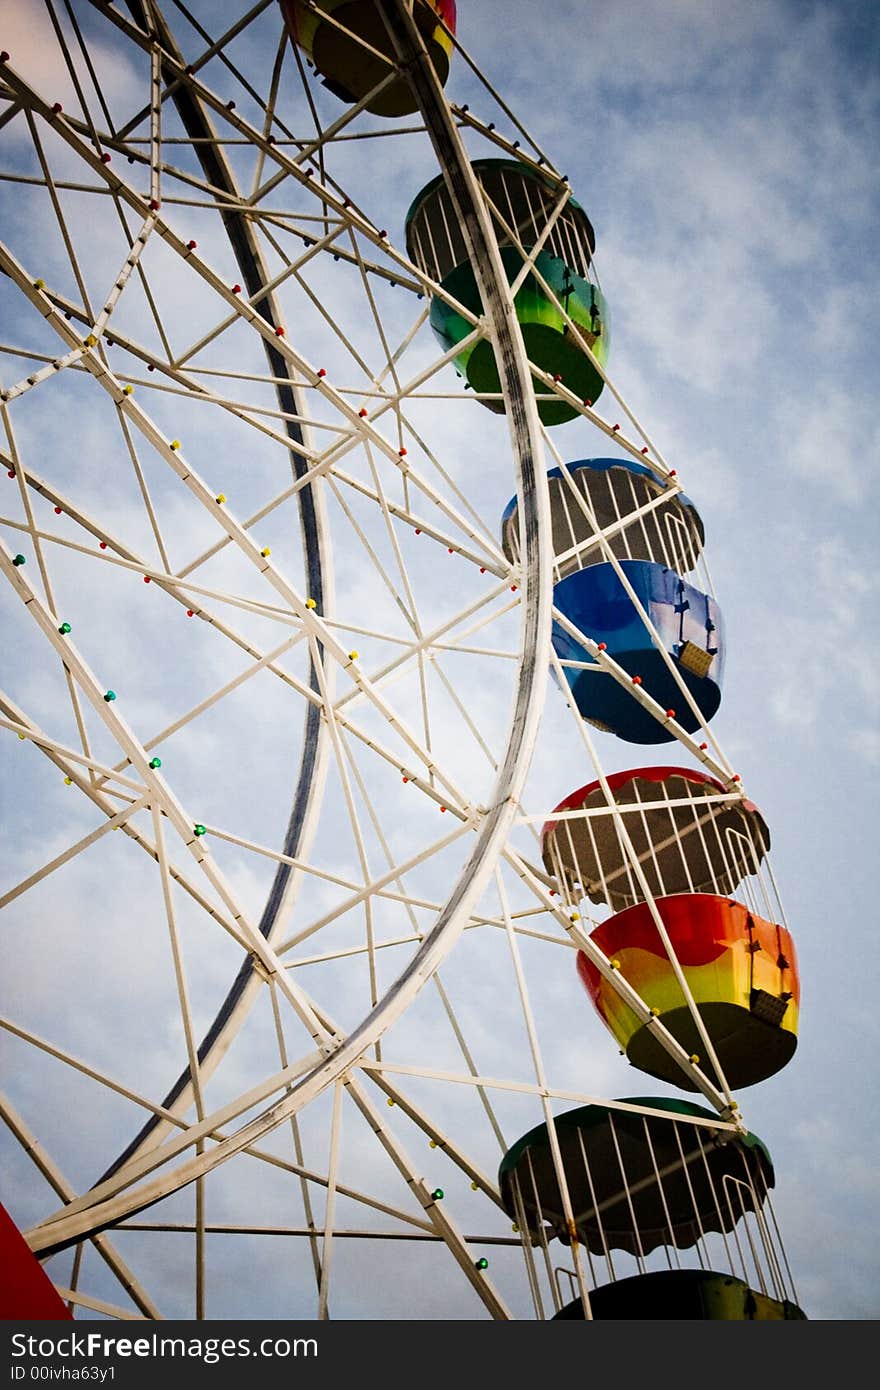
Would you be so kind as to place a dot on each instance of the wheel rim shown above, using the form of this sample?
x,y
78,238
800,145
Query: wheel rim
x,y
233,1010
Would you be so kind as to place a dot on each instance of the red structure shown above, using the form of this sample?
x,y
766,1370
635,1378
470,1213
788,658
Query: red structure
x,y
27,1294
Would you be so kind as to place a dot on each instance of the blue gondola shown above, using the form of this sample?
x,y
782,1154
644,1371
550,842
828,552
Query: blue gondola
x,y
688,623
655,536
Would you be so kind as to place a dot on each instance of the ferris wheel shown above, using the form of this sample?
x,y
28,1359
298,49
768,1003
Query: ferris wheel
x,y
322,905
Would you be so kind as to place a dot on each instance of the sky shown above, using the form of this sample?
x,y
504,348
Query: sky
x,y
726,158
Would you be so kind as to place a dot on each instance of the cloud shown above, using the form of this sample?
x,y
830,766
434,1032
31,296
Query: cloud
x,y
829,441
34,52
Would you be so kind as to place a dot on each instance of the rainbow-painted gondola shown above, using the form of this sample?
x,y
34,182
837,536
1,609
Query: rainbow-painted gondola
x,y
700,848
740,969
